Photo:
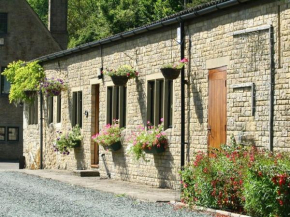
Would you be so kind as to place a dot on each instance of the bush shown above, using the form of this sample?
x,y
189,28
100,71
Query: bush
x,y
239,179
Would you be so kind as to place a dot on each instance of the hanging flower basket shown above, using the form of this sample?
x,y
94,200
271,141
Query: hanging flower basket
x,y
121,76
156,149
52,87
115,146
77,143
30,93
109,137
170,73
120,80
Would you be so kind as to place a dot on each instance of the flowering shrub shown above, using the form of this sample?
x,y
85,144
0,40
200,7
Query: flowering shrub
x,y
109,135
147,139
52,87
240,179
124,70
176,65
68,140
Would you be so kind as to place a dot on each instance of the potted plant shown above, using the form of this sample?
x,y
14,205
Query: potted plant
x,y
121,76
109,137
151,140
52,87
68,140
172,71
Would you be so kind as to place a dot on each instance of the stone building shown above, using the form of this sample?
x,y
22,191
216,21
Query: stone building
x,y
22,37
236,83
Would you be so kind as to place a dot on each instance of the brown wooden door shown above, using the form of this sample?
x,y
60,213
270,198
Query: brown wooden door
x,y
95,160
217,108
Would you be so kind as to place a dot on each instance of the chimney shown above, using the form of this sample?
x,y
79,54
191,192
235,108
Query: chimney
x,y
57,21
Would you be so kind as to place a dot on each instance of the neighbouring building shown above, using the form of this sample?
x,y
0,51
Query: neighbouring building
x,y
23,37
237,83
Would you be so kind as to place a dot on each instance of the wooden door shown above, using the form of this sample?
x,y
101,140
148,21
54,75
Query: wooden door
x,y
95,160
217,108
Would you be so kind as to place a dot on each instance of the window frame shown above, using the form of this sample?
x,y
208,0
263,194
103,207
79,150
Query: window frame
x,y
5,31
117,105
158,90
77,107
50,103
58,109
2,81
33,112
18,129
4,134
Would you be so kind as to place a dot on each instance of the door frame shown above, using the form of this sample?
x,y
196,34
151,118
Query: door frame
x,y
221,68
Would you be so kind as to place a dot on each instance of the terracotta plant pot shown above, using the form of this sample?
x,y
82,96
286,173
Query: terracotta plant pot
x,y
115,146
155,150
120,80
30,93
170,73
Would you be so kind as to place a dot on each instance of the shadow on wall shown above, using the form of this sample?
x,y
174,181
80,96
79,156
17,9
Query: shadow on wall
x,y
80,158
120,163
163,163
142,100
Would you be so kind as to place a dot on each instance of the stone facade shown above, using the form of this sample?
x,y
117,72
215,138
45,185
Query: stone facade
x,y
26,38
211,42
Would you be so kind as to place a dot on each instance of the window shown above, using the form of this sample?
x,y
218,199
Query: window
x,y
117,105
77,109
2,133
58,115
50,109
13,133
5,85
33,112
160,102
3,23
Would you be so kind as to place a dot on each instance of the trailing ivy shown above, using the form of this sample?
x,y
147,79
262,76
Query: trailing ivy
x,y
23,76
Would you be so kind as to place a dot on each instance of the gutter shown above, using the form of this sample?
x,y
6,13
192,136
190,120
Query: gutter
x,y
157,25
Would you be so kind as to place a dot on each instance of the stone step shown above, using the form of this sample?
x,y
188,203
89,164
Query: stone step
x,y
87,173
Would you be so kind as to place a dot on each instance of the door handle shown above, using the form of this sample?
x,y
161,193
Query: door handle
x,y
209,129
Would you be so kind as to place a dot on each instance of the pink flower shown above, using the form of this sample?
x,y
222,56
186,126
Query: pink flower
x,y
148,122
162,119
128,74
184,60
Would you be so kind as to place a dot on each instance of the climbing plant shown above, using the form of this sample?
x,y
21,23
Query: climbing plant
x,y
23,76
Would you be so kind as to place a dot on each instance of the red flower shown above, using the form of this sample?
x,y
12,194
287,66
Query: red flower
x,y
260,173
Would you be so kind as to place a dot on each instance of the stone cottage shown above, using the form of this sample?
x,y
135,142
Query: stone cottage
x,y
23,37
236,83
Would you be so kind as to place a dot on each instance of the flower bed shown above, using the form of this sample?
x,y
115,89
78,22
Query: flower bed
x,y
241,179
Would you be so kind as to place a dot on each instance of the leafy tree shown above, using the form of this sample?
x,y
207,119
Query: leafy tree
x,y
41,8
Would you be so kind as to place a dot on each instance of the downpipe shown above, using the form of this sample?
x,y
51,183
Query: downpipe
x,y
41,130
272,83
182,36
105,164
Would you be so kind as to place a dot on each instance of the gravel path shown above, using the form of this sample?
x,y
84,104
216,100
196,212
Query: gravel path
x,y
25,195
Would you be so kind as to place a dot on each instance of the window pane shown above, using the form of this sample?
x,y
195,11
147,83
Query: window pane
x,y
80,109
150,105
33,112
5,85
13,133
109,105
50,109
58,118
3,22
160,101
170,103
2,133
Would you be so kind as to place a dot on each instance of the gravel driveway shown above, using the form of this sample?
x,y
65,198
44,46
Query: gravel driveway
x,y
24,195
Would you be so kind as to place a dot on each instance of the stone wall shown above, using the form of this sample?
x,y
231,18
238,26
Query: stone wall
x,y
27,38
210,43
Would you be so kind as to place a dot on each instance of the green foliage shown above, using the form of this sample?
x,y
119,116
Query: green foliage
x,y
178,65
23,76
67,140
95,19
52,87
109,135
41,9
244,180
124,70
146,139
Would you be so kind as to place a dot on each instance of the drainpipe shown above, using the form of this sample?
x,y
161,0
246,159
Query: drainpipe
x,y
182,37
41,130
272,78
